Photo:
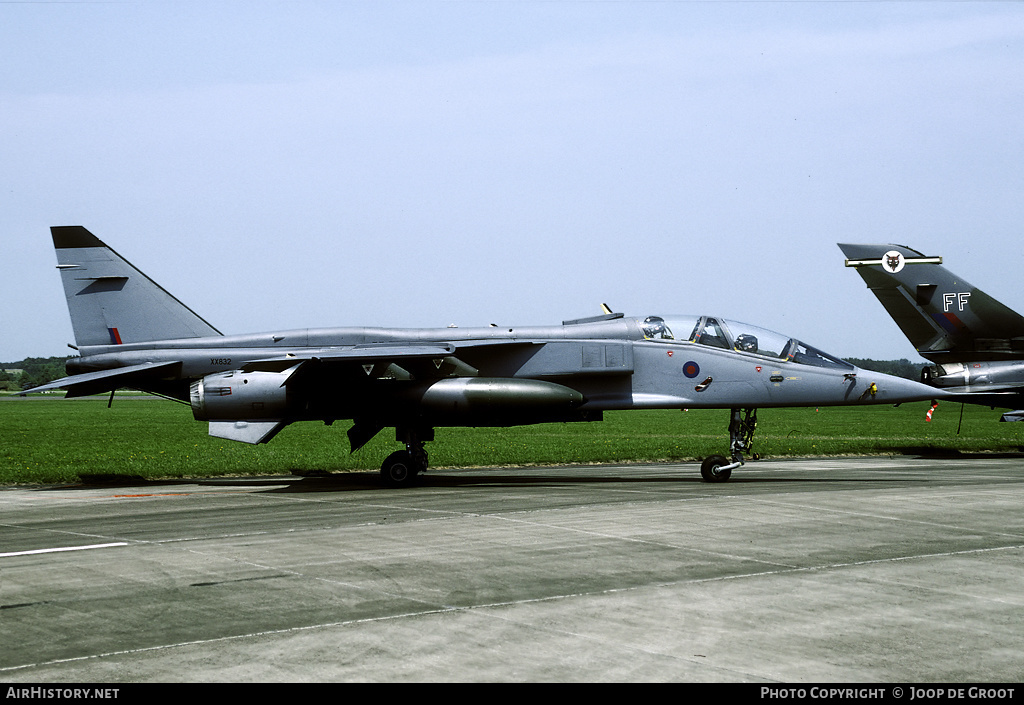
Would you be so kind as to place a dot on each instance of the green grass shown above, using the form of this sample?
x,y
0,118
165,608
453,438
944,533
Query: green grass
x,y
54,440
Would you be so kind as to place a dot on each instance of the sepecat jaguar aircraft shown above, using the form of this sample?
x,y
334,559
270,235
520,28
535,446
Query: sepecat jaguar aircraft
x,y
131,333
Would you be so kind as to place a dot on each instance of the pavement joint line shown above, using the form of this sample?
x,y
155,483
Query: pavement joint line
x,y
870,515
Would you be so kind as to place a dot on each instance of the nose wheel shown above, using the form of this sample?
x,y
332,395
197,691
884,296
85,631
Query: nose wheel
x,y
718,468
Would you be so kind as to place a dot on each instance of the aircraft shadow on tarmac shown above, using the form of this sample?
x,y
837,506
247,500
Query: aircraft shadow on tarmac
x,y
356,481
322,481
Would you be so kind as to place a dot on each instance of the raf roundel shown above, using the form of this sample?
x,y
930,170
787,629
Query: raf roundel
x,y
691,369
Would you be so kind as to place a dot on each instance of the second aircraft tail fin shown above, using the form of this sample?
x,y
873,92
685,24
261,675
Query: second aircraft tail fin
x,y
942,315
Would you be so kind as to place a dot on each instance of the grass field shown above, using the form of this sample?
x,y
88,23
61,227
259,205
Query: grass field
x,y
52,440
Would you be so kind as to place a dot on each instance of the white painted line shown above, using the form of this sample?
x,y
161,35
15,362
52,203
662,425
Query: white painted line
x,y
65,548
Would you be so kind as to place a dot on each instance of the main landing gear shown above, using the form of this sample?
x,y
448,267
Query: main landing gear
x,y
718,468
401,467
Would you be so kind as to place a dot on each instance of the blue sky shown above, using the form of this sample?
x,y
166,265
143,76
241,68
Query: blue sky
x,y
417,164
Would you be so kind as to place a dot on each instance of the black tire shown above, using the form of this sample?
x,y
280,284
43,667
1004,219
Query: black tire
x,y
398,469
710,469
420,461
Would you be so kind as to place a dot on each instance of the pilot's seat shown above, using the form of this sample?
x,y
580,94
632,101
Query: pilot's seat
x,y
746,343
655,329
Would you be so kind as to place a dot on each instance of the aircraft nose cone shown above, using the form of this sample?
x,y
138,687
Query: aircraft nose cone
x,y
878,388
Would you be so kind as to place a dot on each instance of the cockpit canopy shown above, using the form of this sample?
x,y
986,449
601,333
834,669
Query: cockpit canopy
x,y
742,337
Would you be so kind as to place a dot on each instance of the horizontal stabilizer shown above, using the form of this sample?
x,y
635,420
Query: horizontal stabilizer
x,y
89,383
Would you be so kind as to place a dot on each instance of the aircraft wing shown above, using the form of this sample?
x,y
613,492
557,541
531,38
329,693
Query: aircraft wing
x,y
433,360
358,353
399,361
89,383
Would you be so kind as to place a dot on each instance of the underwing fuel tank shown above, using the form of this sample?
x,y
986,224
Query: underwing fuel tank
x,y
481,394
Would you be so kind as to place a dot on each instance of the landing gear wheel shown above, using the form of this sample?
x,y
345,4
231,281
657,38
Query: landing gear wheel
x,y
399,469
420,461
711,470
717,468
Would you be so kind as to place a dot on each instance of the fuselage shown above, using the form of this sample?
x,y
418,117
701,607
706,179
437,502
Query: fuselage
x,y
614,363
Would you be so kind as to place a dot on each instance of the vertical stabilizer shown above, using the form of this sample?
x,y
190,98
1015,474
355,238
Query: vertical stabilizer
x,y
111,302
943,316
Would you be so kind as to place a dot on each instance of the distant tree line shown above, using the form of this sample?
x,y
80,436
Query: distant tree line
x,y
896,368
30,372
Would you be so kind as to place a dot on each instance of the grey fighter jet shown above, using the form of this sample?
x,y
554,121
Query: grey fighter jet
x,y
975,342
131,333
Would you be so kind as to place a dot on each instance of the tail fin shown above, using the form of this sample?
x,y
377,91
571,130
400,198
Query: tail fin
x,y
943,316
111,302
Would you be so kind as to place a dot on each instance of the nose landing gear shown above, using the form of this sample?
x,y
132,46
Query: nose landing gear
x,y
718,468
